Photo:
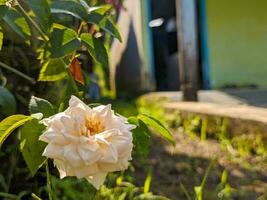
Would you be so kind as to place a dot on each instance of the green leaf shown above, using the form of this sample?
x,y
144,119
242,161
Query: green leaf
x,y
1,39
63,41
9,124
158,127
100,9
3,10
96,48
39,105
105,23
35,197
41,9
85,5
17,23
30,145
141,136
67,91
147,183
53,70
7,102
224,177
94,15
69,7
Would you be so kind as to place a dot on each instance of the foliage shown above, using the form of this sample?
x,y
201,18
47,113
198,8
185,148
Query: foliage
x,y
199,190
38,105
8,125
117,187
59,33
141,136
7,102
30,146
241,145
42,26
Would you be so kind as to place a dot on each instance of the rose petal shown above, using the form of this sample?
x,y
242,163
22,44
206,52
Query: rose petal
x,y
61,168
86,171
72,156
109,153
53,151
97,179
77,103
111,167
88,156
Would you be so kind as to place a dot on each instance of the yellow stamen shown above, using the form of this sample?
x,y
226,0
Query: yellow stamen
x,y
94,126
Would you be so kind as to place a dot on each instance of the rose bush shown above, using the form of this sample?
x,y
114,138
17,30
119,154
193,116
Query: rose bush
x,y
88,142
82,141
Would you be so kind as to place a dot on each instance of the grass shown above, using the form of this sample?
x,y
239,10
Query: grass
x,y
238,173
240,146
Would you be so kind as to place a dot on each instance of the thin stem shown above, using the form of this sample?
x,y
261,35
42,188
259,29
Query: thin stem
x,y
72,81
49,187
17,72
207,172
80,28
79,34
36,26
185,191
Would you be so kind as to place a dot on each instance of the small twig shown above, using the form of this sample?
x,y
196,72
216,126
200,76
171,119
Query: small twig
x,y
80,28
35,25
185,191
17,72
207,172
49,187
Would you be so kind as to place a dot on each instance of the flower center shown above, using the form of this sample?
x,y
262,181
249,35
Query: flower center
x,y
94,126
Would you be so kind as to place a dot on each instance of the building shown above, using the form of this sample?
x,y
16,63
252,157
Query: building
x,y
230,43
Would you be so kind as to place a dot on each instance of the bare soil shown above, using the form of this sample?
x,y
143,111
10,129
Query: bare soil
x,y
187,163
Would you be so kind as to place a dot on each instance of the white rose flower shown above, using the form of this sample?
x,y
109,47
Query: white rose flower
x,y
88,142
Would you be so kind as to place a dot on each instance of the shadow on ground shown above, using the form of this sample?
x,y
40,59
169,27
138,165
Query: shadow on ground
x,y
187,164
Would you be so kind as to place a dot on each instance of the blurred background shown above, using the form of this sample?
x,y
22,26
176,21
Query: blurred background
x,y
205,63
198,66
204,44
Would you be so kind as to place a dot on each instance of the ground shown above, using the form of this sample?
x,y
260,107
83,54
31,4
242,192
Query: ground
x,y
186,164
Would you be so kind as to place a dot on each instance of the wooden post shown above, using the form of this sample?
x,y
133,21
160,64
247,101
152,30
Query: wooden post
x,y
187,48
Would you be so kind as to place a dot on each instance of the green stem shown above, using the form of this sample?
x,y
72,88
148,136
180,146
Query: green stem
x,y
185,191
203,183
17,72
49,187
72,81
35,25
79,34
80,28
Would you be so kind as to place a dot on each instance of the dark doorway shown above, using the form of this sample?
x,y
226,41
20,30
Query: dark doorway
x,y
163,25
164,28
